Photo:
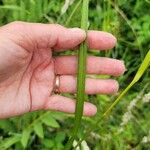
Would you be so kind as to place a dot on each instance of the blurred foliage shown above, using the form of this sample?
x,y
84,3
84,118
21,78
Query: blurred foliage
x,y
129,21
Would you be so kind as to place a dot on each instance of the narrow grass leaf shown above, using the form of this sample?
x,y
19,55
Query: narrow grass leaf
x,y
14,7
11,7
23,14
32,9
45,4
72,13
143,67
145,64
82,54
38,10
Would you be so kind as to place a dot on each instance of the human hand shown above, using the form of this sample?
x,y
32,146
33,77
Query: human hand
x,y
28,69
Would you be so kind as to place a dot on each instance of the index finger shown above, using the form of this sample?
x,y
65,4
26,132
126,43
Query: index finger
x,y
97,40
55,36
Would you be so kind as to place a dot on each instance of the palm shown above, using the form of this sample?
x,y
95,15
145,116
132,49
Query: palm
x,y
32,83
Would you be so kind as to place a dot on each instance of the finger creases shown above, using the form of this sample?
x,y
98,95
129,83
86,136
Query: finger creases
x,y
67,65
64,104
93,86
57,37
100,40
71,38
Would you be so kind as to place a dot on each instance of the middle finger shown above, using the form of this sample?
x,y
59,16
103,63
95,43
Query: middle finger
x,y
67,65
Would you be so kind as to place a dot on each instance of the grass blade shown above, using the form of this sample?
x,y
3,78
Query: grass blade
x,y
81,76
22,13
145,64
73,12
143,67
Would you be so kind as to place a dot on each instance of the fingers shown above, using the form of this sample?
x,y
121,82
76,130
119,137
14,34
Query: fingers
x,y
71,38
101,40
93,86
61,38
43,36
95,40
67,65
55,36
64,104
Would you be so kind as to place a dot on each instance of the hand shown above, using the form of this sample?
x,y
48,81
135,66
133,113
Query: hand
x,y
27,68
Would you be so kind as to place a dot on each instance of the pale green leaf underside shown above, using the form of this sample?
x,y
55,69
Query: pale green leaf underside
x,y
50,121
38,128
25,137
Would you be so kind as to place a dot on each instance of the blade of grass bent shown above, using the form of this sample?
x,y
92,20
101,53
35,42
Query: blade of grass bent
x,y
82,53
145,64
143,67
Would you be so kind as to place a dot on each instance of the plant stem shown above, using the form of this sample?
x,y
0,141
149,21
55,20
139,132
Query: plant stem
x,y
82,54
73,12
143,67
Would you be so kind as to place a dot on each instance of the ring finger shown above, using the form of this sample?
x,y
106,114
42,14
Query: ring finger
x,y
67,84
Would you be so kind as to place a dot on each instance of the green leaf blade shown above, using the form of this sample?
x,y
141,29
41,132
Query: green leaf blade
x,y
143,67
38,128
50,121
25,137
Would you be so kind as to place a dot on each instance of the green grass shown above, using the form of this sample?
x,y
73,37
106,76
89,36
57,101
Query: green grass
x,y
129,22
81,77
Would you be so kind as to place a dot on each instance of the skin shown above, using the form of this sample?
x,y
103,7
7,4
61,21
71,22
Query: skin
x,y
28,70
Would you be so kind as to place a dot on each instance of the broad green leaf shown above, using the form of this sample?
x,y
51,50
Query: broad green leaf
x,y
50,121
38,128
7,125
143,67
8,142
48,143
58,115
60,137
25,137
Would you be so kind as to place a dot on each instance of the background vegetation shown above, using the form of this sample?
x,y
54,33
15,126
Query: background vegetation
x,y
128,126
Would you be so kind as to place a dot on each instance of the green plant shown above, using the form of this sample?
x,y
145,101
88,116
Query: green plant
x,y
81,76
129,22
143,67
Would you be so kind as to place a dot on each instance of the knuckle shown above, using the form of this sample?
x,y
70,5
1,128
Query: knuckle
x,y
16,25
12,27
57,26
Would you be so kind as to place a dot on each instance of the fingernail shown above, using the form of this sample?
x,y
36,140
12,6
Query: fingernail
x,y
123,62
113,39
